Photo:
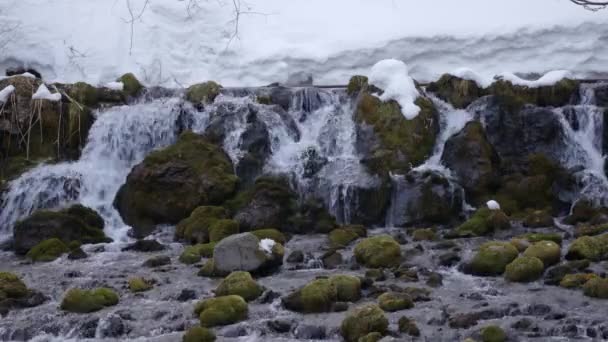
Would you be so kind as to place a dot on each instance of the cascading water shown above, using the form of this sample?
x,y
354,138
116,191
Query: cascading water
x,y
119,139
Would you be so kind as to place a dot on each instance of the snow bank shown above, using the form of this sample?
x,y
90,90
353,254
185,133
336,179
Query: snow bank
x,y
469,74
493,205
43,93
393,77
266,245
548,79
5,93
115,86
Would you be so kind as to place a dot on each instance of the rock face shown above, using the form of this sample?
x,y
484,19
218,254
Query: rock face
x,y
242,252
76,223
169,184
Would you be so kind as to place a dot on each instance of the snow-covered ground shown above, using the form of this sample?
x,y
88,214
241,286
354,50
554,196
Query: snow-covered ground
x,y
175,43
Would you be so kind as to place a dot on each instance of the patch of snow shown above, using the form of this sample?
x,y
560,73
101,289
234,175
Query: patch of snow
x,y
547,79
115,86
26,74
493,205
469,74
43,93
266,245
6,92
392,76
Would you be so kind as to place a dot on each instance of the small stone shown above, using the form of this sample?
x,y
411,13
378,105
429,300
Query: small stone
x,y
145,246
295,257
157,261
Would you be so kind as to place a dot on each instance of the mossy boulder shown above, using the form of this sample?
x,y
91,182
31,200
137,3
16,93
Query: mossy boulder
x,y
559,94
270,233
548,252
222,228
576,280
538,219
221,310
395,301
203,93
524,269
76,223
356,84
139,284
47,250
11,286
170,183
456,91
343,236
492,258
584,211
596,288
239,283
85,301
424,234
198,334
408,326
588,247
363,320
190,255
348,287
484,221
536,237
195,228
493,333
317,296
387,140
378,251
371,337
131,85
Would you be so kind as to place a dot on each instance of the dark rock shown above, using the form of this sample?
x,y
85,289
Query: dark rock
x,y
144,246
112,327
457,91
332,259
280,326
339,307
555,274
296,256
464,320
310,332
313,162
236,331
537,310
14,71
77,254
89,328
157,261
435,280
186,295
449,259
268,297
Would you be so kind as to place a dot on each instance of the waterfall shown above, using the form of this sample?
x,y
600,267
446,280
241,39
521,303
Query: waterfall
x,y
119,139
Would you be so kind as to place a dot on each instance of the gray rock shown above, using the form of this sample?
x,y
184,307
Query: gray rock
x,y
241,252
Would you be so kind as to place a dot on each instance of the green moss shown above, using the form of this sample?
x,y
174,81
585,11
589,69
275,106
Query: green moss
x,y
222,228
318,296
484,221
240,283
585,230
221,310
198,334
190,255
587,247
596,288
408,326
393,301
577,280
378,251
492,258
424,235
131,85
84,94
493,333
457,91
203,92
524,269
85,301
139,284
47,250
582,211
348,287
195,228
11,286
363,320
270,233
556,95
536,237
548,252
538,218
206,249
371,337
88,215
356,84
340,238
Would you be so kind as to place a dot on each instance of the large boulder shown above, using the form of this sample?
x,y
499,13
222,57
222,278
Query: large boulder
x,y
492,258
76,223
378,251
524,269
170,183
196,228
246,252
221,310
239,283
320,295
484,221
364,320
473,161
457,91
85,301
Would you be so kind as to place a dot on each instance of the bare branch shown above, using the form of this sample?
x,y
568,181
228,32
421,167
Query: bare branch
x,y
591,5
133,18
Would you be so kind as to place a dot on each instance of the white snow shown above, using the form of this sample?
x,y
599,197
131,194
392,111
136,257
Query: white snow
x,y
6,92
392,76
332,40
469,74
493,205
548,79
266,245
43,93
115,85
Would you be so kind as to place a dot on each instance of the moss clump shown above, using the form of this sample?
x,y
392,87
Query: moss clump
x,y
222,228
492,258
340,238
596,288
536,237
424,235
270,233
84,93
577,280
11,286
195,228
457,91
587,247
203,92
362,321
493,333
356,84
524,269
393,301
240,283
348,287
556,95
591,230
139,284
583,211
318,296
484,221
408,326
378,251
547,251
371,337
47,250
190,255
131,85
538,218
221,310
198,334
85,301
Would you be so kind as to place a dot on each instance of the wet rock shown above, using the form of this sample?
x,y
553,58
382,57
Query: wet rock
x,y
88,329
268,297
537,310
363,320
310,332
157,261
203,93
434,280
320,295
449,259
313,162
112,327
554,275
280,326
492,258
77,254
221,310
145,246
332,259
524,269
408,326
239,283
235,331
242,252
255,142
463,320
296,256
394,301
186,295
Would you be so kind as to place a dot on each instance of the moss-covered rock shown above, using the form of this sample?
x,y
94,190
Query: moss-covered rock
x,y
536,237
195,228
590,230
538,218
170,183
239,283
203,92
47,250
340,238
493,333
394,301
492,258
131,85
457,91
85,301
348,287
583,211
139,284
198,334
596,288
11,286
484,221
576,280
587,247
524,269
371,337
190,255
378,251
270,233
548,252
408,326
222,228
317,296
424,235
356,84
363,320
557,95
221,310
